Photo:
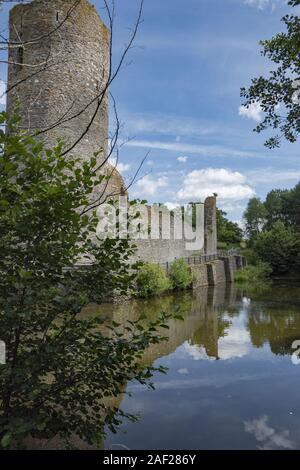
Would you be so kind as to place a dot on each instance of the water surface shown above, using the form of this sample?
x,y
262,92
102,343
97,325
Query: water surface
x,y
231,383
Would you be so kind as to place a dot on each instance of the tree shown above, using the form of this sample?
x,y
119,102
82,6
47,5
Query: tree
x,y
276,206
59,368
255,216
293,206
228,232
279,94
278,247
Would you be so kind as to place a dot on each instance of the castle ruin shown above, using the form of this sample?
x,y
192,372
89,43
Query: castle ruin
x,y
57,76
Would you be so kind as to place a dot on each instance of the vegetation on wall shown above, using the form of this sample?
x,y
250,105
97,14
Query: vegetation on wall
x,y
152,280
180,275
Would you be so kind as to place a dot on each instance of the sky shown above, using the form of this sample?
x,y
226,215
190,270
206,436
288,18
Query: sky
x,y
178,98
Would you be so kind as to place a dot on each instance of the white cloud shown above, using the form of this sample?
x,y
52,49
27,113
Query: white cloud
x,y
168,124
148,186
229,185
182,159
262,175
121,167
171,205
2,92
237,341
254,111
204,150
268,437
262,4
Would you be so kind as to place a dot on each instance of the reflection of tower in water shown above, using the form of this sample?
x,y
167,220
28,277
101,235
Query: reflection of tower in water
x,y
213,326
202,323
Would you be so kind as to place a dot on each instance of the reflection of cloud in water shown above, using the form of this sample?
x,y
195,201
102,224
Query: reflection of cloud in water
x,y
237,342
213,380
267,436
183,371
198,353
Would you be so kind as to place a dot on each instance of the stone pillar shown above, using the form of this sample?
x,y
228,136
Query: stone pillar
x,y
229,269
210,224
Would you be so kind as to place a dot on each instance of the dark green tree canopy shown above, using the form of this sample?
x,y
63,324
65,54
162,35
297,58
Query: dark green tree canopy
x,y
228,232
273,228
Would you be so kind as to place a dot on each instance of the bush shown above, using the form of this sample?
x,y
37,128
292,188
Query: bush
x,y
279,247
252,274
152,280
180,275
252,256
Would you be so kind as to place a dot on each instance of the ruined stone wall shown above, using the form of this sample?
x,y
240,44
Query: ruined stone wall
x,y
220,271
66,57
57,76
162,250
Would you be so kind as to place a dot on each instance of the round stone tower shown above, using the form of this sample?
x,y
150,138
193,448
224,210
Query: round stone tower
x,y
59,72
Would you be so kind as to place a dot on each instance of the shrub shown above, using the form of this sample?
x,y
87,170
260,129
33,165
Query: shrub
x,y
279,247
180,275
152,280
252,256
252,274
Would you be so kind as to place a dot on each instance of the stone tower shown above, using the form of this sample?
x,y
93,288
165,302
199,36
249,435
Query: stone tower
x,y
58,74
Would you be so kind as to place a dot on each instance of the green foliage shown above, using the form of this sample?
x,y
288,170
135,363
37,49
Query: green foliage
x,y
278,93
255,216
251,256
253,274
279,247
229,233
152,280
59,368
180,275
273,228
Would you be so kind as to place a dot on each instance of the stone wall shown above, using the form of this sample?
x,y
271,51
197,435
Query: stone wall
x,y
162,250
217,272
200,276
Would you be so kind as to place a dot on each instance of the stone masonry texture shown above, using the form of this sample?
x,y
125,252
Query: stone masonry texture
x,y
59,73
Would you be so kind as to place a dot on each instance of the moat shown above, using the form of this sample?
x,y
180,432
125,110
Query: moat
x,y
231,382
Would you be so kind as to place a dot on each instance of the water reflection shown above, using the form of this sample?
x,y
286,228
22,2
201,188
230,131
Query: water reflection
x,y
231,382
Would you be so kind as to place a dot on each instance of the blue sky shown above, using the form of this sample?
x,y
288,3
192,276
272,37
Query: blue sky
x,y
179,98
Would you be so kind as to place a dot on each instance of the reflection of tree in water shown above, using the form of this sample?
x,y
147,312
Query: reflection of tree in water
x,y
202,321
274,318
209,333
278,327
